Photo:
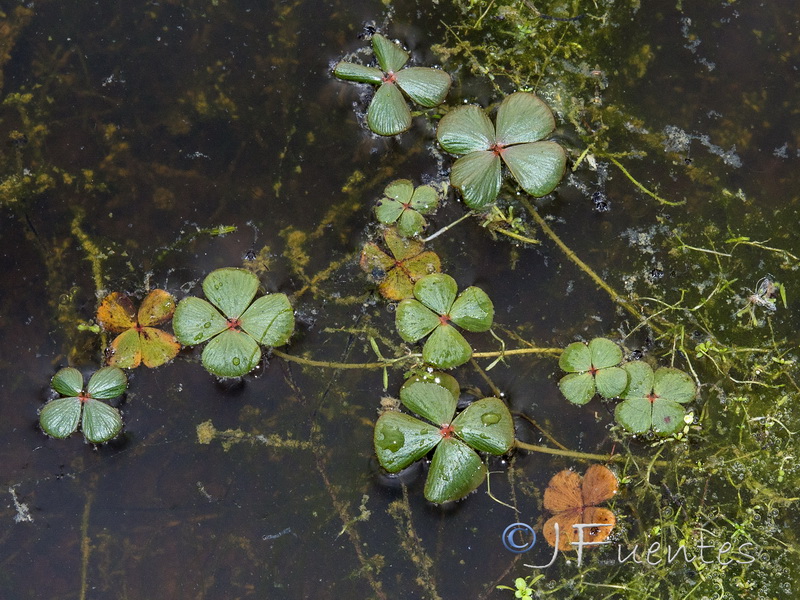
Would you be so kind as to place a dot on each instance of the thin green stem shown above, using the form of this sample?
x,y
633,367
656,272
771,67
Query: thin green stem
x,y
639,185
569,453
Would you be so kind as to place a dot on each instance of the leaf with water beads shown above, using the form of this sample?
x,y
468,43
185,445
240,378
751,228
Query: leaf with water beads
x,y
401,439
197,321
233,340
456,470
231,290
486,425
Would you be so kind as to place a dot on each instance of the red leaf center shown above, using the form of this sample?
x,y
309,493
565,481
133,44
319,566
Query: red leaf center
x,y
389,77
234,324
652,396
444,319
446,430
497,148
84,397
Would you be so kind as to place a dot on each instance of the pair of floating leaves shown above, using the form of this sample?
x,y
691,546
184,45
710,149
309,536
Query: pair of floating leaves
x,y
99,421
404,205
434,309
388,113
456,469
234,324
654,400
139,341
522,121
574,502
409,262
591,369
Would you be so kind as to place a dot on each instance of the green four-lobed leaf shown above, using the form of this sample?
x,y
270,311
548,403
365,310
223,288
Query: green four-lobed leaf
x,y
99,422
388,112
523,120
653,400
405,206
456,469
233,324
592,368
434,310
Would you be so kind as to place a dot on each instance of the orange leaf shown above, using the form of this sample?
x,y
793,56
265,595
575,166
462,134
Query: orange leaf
x,y
158,347
116,313
156,308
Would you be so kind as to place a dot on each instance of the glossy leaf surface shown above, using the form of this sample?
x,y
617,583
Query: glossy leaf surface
x,y
401,439
391,57
486,425
68,382
473,310
59,418
538,167
478,177
446,348
358,73
100,422
465,129
429,400
196,321
455,471
523,117
107,383
388,113
414,320
270,320
156,308
425,86
437,292
231,290
231,354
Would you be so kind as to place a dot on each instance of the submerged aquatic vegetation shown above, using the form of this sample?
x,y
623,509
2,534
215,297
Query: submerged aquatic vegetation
x,y
456,469
235,327
404,205
139,341
99,421
397,273
434,309
592,369
574,501
388,112
523,120
654,400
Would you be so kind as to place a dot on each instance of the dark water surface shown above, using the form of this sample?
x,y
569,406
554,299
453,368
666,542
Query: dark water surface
x,y
148,122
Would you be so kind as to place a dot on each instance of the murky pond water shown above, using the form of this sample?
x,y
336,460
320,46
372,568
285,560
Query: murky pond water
x,y
146,144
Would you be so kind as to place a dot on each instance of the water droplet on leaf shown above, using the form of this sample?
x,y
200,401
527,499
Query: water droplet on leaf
x,y
393,440
490,418
236,361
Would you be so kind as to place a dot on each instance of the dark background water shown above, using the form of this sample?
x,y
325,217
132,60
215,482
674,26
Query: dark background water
x,y
193,115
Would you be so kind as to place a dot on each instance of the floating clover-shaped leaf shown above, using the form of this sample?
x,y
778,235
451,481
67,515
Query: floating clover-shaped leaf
x,y
653,400
456,469
234,326
592,368
99,421
139,341
398,273
388,113
522,121
573,502
404,205
434,309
